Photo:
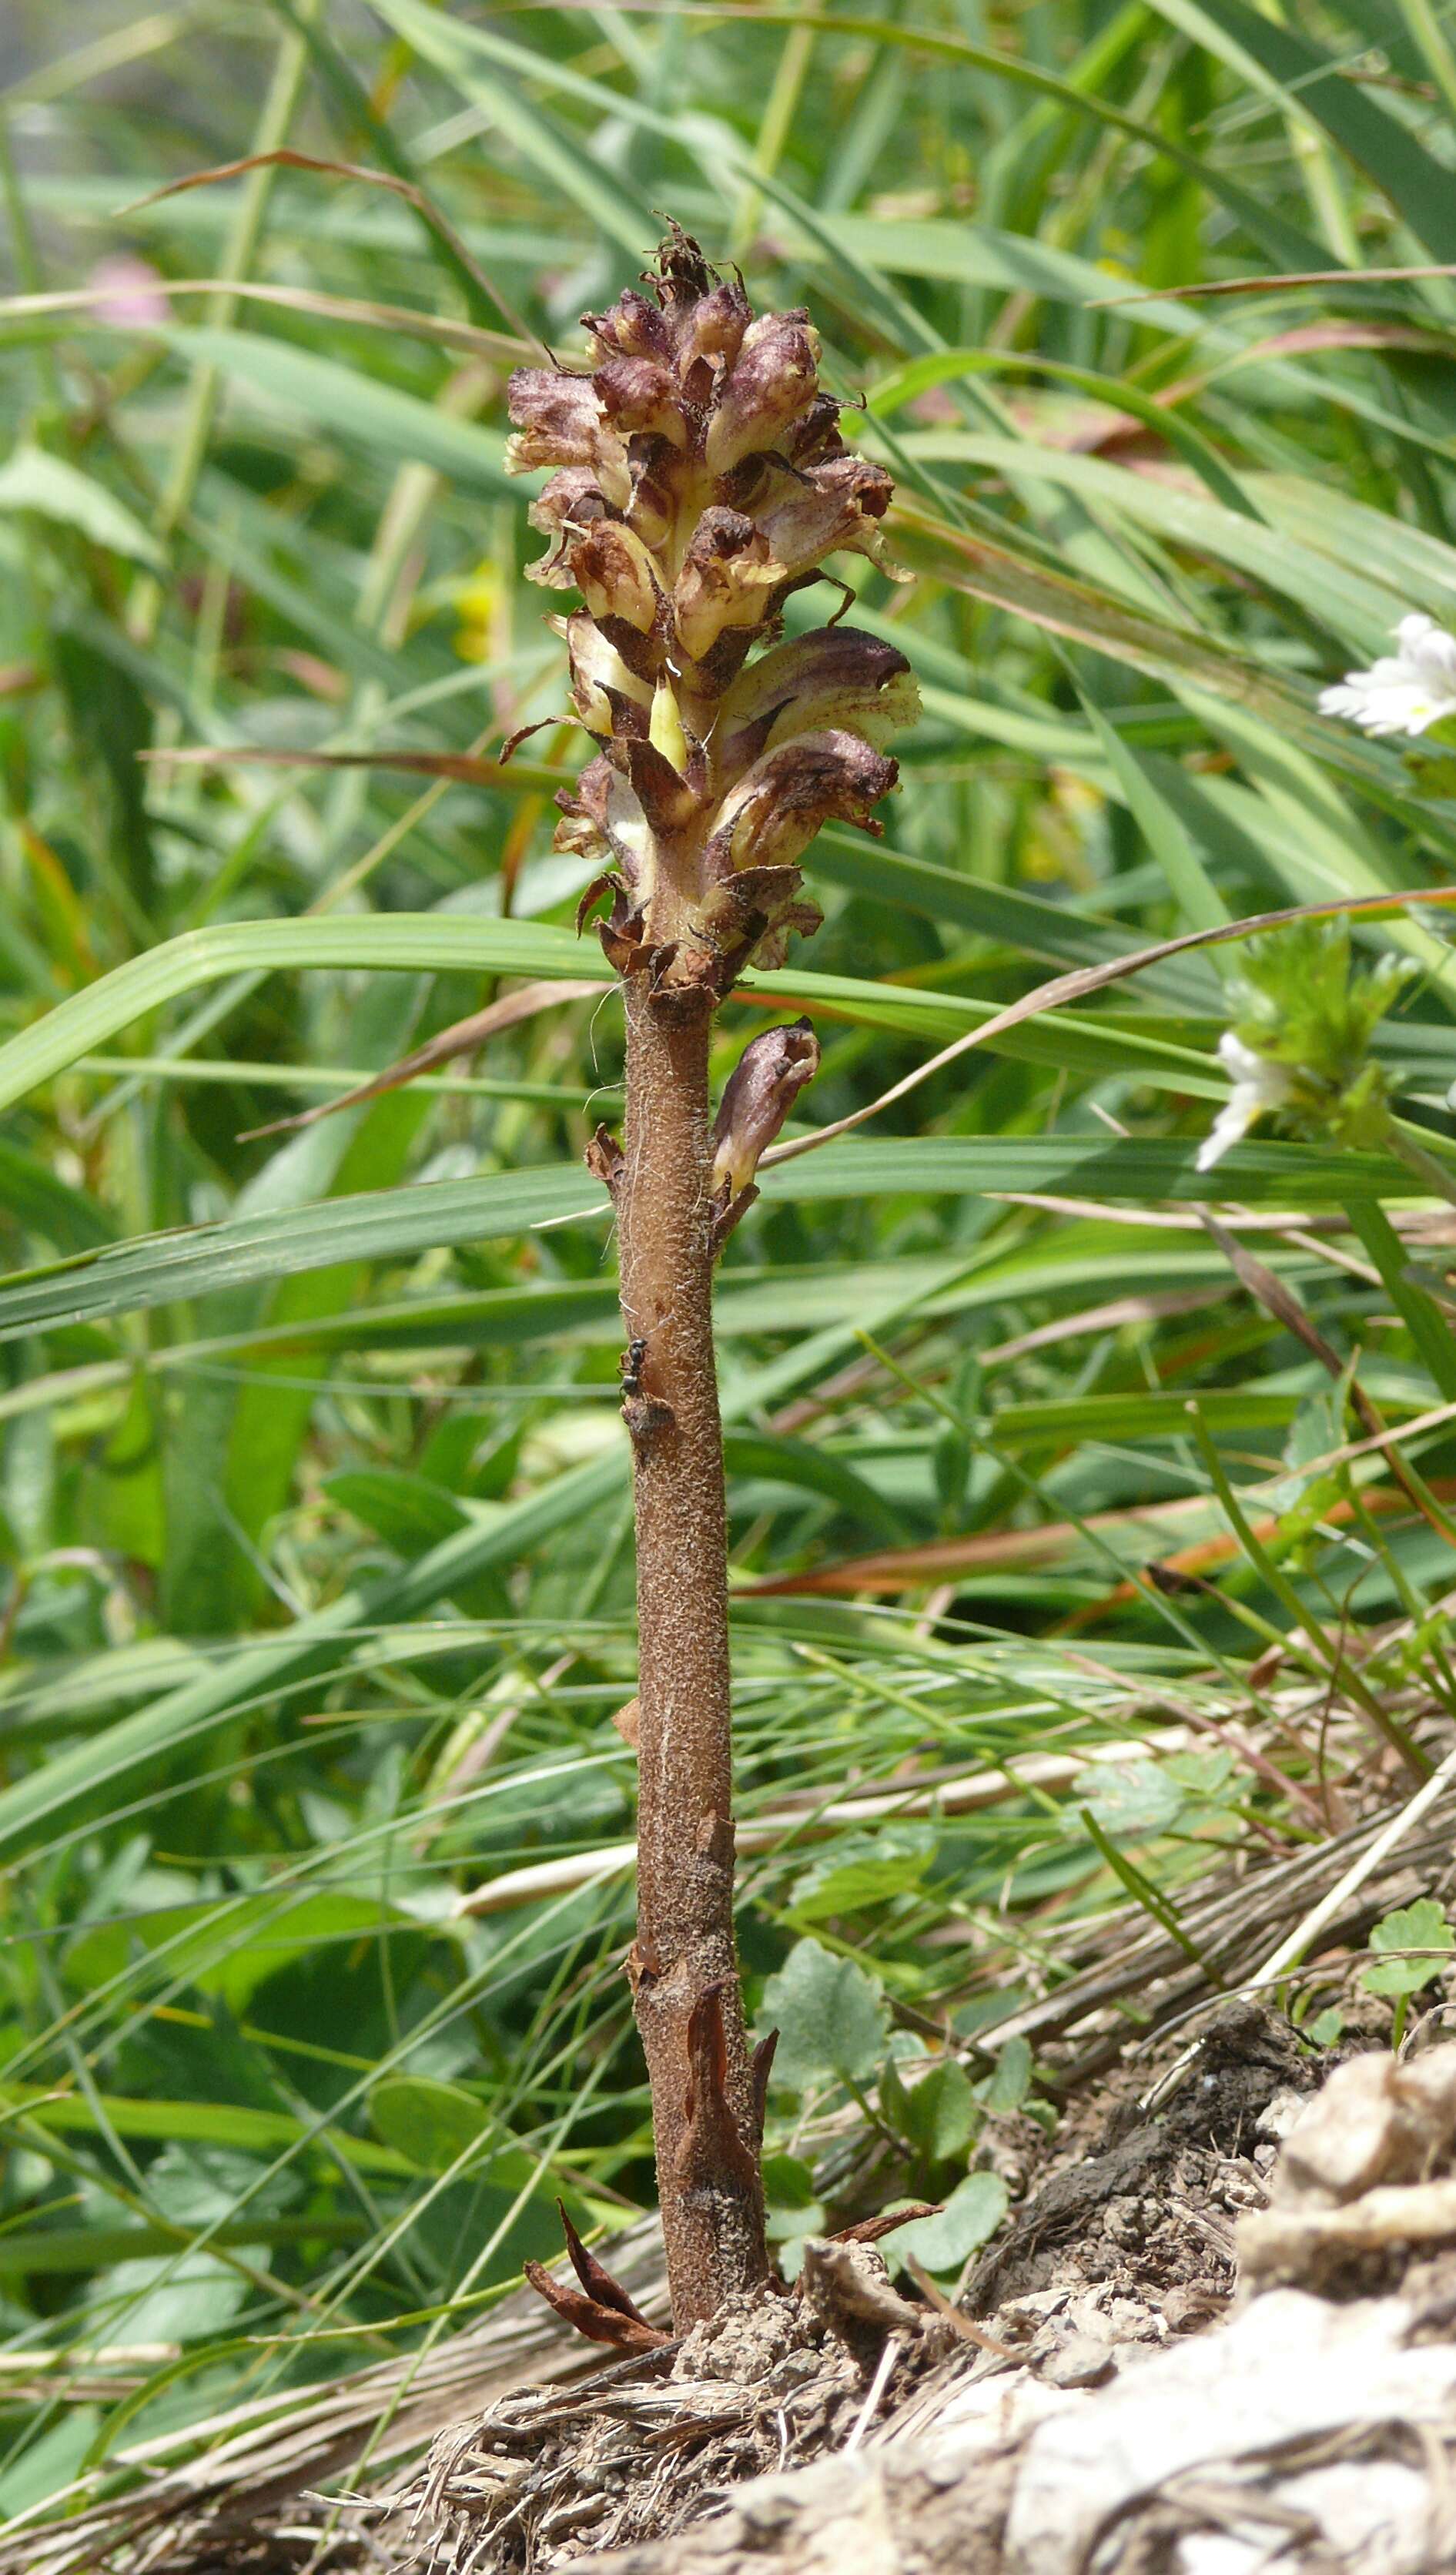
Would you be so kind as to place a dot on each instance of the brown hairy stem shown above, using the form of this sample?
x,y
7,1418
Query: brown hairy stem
x,y
684,1966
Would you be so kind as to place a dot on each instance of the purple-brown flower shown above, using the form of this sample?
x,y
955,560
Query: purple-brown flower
x,y
700,478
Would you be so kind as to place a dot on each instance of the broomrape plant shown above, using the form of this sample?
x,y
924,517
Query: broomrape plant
x,y
699,479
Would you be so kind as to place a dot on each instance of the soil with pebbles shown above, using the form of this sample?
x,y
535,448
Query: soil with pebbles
x,y
1308,2422
1218,2328
1125,2243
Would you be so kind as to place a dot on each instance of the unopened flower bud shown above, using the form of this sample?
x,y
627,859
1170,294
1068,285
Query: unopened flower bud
x,y
757,1095
641,393
635,328
713,337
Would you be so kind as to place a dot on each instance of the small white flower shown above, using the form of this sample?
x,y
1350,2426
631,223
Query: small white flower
x,y
1404,691
1258,1085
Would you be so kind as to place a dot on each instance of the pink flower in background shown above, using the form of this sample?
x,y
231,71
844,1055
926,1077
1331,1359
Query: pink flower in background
x,y
127,293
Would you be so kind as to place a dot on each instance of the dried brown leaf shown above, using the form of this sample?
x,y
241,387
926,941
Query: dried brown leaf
x,y
587,2316
869,2230
598,2281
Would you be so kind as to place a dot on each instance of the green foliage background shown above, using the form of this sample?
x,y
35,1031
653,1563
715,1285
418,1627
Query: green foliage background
x,y
314,1496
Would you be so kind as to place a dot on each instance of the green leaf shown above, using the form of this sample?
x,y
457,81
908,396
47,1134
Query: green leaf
x,y
408,1512
383,1224
50,2461
1137,1800
1312,84
398,1224
229,1950
1097,1167
346,403
808,1469
1356,600
1326,2028
404,943
33,1195
1413,1928
942,2113
1317,1427
968,2219
1002,912
830,2016
73,1780
1004,575
1205,1778
945,366
53,2251
111,726
971,255
179,2298
432,2124
71,1783
400,943
1010,2081
220,2123
1163,828
792,2209
352,100
462,51
1284,242
864,1870
32,479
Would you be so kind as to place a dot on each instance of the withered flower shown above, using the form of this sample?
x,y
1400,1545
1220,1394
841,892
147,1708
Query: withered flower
x,y
702,479
757,1095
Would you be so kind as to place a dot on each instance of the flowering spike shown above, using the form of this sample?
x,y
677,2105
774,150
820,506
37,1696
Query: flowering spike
x,y
699,479
1299,1048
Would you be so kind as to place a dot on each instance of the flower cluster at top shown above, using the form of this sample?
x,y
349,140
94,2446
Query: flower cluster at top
x,y
1299,1048
701,479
